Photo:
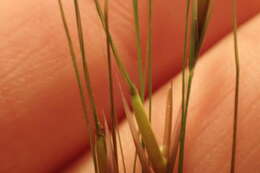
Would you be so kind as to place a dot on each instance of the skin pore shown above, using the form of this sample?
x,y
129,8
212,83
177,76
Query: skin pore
x,y
41,124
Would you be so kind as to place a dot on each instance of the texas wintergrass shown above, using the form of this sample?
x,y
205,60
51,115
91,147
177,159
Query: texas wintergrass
x,y
154,157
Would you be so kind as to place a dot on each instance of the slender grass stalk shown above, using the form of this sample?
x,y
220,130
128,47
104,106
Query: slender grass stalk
x,y
118,60
111,90
139,58
84,63
184,63
100,141
139,48
200,18
77,75
237,65
149,57
74,61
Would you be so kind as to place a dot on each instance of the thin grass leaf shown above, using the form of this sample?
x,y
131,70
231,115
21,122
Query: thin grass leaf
x,y
74,61
84,63
198,29
149,57
76,70
139,57
168,122
184,63
139,148
139,48
118,60
236,99
111,90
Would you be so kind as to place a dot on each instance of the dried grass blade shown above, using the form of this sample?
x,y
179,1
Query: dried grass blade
x,y
174,144
236,99
121,151
168,122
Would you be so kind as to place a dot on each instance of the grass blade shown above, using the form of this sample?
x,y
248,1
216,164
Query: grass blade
x,y
199,25
77,75
139,48
84,63
168,122
149,57
111,90
236,103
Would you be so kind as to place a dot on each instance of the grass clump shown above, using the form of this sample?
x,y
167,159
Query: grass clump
x,y
103,140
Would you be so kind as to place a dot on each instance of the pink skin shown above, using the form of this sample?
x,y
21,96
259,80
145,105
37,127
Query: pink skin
x,y
41,119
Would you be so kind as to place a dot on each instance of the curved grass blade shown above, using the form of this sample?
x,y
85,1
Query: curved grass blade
x,y
236,103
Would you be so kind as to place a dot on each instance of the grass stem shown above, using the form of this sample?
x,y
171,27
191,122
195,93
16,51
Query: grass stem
x,y
84,63
139,48
237,66
111,90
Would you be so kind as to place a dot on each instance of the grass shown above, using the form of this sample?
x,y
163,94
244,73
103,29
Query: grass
x,y
103,140
236,100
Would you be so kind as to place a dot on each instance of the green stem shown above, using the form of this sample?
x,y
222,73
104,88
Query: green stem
x,y
85,67
184,63
150,59
183,124
76,70
111,90
139,48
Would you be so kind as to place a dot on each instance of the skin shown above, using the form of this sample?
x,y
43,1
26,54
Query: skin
x,y
41,125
